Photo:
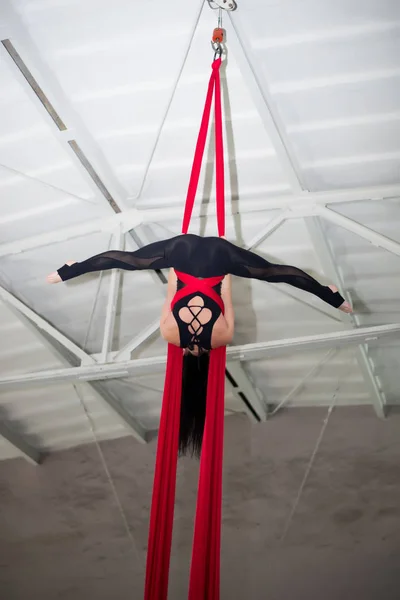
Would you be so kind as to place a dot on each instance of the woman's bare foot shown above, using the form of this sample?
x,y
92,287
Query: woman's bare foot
x,y
54,277
345,307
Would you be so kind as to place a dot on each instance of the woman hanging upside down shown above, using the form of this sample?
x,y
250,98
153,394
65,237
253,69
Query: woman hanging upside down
x,y
195,321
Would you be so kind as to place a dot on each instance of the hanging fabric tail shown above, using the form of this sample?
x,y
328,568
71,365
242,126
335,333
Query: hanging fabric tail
x,y
204,578
205,568
162,507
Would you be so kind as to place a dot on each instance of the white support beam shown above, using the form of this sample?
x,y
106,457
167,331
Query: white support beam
x,y
243,389
268,230
260,350
15,440
18,443
294,293
54,341
299,205
377,239
43,325
111,402
75,127
249,66
146,333
303,381
115,280
308,300
328,264
55,236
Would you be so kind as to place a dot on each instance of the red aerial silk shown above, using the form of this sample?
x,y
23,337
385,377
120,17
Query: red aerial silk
x,y
205,567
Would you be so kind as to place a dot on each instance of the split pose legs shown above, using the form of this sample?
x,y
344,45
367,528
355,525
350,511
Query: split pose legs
x,y
202,257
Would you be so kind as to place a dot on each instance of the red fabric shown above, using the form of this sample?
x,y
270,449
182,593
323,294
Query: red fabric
x,y
192,284
162,507
205,567
219,154
199,152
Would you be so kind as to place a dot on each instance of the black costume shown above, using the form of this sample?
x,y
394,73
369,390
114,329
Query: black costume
x,y
201,257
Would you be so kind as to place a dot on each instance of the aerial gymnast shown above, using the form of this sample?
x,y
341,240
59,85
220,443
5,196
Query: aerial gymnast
x,y
193,319
197,317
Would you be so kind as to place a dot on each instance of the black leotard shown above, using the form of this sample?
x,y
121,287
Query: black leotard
x,y
196,332
202,257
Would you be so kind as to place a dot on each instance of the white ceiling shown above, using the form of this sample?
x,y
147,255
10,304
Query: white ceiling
x,y
312,117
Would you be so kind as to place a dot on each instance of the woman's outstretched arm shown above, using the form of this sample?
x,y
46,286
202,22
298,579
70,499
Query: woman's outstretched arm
x,y
244,263
154,256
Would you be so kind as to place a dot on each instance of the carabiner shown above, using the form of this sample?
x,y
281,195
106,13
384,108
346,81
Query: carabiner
x,y
216,46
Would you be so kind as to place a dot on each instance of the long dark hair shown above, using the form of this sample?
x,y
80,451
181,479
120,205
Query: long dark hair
x,y
193,403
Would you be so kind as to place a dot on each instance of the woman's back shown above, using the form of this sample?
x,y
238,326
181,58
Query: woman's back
x,y
196,320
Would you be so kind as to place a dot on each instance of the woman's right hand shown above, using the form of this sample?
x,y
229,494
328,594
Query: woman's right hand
x,y
54,277
345,307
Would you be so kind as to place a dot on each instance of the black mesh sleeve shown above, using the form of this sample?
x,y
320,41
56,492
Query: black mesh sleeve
x,y
153,256
247,264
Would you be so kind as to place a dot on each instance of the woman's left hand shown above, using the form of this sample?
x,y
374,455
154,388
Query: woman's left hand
x,y
54,277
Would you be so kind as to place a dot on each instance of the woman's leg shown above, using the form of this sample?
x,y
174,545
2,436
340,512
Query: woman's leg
x,y
244,263
153,256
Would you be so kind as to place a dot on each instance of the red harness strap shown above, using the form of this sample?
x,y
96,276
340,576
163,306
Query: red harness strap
x,y
193,285
205,566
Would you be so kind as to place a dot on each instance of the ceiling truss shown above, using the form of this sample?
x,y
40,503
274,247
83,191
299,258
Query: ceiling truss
x,y
63,349
247,352
328,262
298,204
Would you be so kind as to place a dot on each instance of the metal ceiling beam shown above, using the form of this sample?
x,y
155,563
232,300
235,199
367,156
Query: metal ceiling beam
x,y
307,299
303,381
42,325
113,292
377,239
326,257
299,205
294,293
145,334
111,402
55,236
244,390
87,151
267,230
25,46
61,347
18,443
50,83
252,77
260,350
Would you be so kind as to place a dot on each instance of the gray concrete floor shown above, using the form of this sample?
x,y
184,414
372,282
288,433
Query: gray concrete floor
x,y
334,534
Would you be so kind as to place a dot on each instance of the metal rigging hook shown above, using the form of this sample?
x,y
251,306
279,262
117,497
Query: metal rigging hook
x,y
216,46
